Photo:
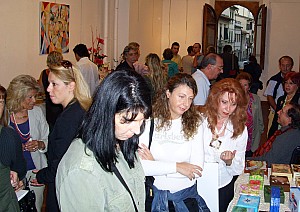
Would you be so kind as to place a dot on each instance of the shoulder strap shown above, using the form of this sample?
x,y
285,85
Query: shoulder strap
x,y
151,132
119,176
0,128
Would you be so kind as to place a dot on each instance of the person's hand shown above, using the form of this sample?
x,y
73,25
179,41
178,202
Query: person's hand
x,y
227,157
19,186
14,180
188,170
145,153
34,181
34,145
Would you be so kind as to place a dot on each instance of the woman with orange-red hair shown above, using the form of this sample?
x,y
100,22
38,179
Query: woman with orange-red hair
x,y
225,135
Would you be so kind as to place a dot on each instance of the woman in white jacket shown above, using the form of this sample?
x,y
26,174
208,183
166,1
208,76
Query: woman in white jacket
x,y
225,135
30,123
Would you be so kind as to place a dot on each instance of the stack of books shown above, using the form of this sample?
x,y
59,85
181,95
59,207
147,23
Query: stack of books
x,y
257,177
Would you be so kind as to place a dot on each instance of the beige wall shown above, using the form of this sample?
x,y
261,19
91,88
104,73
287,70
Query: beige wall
x,y
155,24
19,34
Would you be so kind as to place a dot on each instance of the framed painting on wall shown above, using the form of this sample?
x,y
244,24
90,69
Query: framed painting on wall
x,y
54,27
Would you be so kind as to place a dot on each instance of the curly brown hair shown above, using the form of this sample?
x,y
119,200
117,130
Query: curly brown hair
x,y
190,119
239,117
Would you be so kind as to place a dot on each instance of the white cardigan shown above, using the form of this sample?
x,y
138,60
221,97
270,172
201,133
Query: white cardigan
x,y
39,130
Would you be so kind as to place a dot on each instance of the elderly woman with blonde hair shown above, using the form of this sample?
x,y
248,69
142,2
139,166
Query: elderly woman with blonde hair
x,y
30,123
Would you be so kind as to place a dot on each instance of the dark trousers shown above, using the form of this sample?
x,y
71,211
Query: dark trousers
x,y
226,195
51,203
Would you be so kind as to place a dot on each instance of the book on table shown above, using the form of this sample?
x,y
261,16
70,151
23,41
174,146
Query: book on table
x,y
281,181
294,199
282,170
295,170
252,165
248,201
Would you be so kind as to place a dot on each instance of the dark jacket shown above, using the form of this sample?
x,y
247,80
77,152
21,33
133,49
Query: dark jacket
x,y
279,106
282,148
230,62
63,133
11,158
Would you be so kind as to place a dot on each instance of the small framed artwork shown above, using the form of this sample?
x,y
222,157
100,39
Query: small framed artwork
x,y
54,27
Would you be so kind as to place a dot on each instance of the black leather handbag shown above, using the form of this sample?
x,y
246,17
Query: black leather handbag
x,y
27,203
149,179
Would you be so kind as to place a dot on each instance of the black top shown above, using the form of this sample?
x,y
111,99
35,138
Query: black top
x,y
254,70
11,153
63,133
52,110
124,66
230,62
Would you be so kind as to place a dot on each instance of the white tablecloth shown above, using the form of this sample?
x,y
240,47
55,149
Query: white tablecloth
x,y
244,179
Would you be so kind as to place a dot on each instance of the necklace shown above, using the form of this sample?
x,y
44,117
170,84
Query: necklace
x,y
22,135
219,132
287,100
21,117
215,142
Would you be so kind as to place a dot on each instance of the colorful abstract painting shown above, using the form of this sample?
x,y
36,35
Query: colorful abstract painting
x,y
54,27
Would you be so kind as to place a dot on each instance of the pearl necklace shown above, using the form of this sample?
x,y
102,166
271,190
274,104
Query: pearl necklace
x,y
219,132
22,135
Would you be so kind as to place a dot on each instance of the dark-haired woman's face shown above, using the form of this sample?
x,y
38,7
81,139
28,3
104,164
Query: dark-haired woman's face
x,y
126,129
290,87
227,105
180,100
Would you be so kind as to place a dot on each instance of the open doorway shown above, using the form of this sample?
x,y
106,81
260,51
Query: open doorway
x,y
236,28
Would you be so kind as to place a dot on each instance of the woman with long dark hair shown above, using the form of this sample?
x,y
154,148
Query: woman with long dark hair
x,y
176,154
87,178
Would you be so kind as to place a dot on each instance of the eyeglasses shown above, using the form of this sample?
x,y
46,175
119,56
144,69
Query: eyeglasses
x,y
67,64
219,67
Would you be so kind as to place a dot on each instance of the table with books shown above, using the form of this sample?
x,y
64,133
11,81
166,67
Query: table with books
x,y
247,187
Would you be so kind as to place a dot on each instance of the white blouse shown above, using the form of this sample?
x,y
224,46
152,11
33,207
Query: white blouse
x,y
228,144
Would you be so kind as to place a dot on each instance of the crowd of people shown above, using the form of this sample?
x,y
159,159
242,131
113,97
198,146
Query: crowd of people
x,y
96,141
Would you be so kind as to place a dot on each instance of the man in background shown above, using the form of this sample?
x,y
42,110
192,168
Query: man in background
x,y
187,61
274,88
231,66
89,70
176,57
197,57
211,67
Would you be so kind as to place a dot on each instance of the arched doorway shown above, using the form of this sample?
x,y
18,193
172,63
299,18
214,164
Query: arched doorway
x,y
211,16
